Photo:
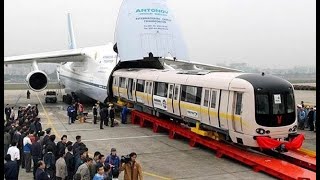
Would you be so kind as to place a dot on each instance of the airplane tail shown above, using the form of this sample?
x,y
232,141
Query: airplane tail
x,y
72,41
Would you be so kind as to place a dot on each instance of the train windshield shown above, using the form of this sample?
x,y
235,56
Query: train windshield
x,y
277,109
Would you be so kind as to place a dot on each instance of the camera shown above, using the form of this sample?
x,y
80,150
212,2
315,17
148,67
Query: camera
x,y
125,159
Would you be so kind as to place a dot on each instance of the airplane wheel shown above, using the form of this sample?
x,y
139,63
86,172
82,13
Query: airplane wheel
x,y
64,98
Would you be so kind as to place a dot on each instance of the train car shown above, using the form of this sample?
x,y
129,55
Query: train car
x,y
242,106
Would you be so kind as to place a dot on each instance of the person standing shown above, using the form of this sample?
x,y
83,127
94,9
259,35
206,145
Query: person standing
x,y
70,162
84,169
315,119
7,111
112,114
61,145
103,117
28,94
36,155
70,111
61,167
95,114
14,154
41,174
310,119
12,114
99,173
50,161
6,141
93,168
300,117
27,152
113,160
132,170
124,113
10,168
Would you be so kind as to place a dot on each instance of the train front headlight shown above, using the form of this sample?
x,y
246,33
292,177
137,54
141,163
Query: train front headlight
x,y
260,131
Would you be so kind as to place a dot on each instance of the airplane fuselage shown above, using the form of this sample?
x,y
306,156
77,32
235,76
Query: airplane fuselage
x,y
89,78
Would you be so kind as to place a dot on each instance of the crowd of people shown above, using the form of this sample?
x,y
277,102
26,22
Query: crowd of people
x,y
306,116
26,145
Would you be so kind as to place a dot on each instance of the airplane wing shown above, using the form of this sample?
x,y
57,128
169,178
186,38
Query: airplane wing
x,y
186,65
72,55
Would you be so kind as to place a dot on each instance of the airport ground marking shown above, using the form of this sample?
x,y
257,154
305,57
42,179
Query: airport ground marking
x,y
48,118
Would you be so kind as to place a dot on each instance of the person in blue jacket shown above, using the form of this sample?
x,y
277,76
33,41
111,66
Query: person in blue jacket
x,y
113,160
124,113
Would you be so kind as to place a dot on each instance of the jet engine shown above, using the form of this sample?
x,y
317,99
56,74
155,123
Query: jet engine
x,y
37,80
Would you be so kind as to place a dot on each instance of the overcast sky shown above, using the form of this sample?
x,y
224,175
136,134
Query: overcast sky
x,y
262,33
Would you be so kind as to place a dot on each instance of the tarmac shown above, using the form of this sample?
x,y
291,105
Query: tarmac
x,y
159,156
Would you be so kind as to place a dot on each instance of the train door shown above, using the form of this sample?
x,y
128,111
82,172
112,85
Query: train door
x,y
148,95
237,111
115,86
176,100
213,107
130,85
223,109
205,106
134,90
145,95
170,99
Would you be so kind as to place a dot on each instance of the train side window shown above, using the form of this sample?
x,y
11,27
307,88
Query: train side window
x,y
191,94
290,103
170,91
140,85
134,86
147,87
115,81
161,89
122,82
206,98
262,104
213,99
176,92
238,103
150,88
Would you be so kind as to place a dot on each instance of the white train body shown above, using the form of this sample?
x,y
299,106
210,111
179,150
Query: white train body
x,y
240,105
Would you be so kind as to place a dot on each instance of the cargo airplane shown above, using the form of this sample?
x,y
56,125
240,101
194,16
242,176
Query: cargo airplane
x,y
86,71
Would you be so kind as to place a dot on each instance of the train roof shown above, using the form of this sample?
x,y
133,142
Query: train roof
x,y
220,79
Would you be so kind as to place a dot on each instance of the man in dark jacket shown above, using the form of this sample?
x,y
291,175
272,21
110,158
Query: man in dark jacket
x,y
76,144
70,161
95,114
103,117
50,162
10,168
61,145
310,119
7,111
112,114
46,137
36,155
38,126
52,144
41,174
